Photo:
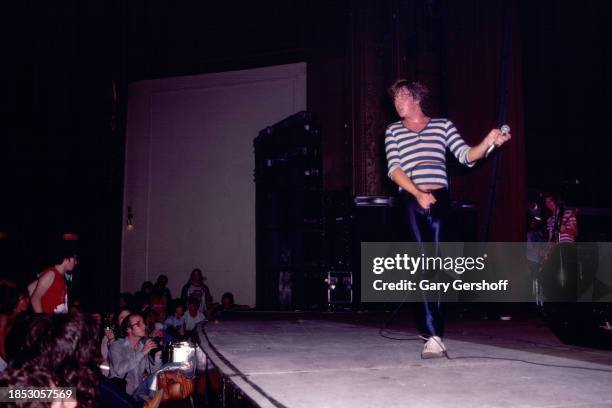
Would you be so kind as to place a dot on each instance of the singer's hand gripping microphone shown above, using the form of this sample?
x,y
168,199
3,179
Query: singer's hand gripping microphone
x,y
504,129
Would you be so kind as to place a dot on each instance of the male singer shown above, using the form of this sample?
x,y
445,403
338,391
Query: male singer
x,y
416,147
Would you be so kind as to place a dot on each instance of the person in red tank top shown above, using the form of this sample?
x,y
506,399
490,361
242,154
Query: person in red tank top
x,y
51,294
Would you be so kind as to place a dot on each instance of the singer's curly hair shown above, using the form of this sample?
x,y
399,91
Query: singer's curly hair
x,y
417,89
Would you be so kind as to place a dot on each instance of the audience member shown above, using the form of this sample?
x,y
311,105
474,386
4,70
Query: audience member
x,y
130,357
147,288
195,288
159,304
152,323
227,304
32,375
49,293
12,304
112,333
227,301
142,302
125,301
193,315
67,346
75,306
122,315
162,283
175,324
562,225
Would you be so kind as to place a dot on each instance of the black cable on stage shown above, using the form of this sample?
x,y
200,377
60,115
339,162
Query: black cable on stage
x,y
239,373
518,360
534,343
383,328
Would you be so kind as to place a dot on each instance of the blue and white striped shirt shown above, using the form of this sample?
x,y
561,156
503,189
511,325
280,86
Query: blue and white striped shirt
x,y
422,155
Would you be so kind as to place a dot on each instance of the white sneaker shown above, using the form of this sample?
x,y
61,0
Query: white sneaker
x,y
433,348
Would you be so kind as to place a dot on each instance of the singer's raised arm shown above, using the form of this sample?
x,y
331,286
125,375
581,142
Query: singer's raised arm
x,y
495,137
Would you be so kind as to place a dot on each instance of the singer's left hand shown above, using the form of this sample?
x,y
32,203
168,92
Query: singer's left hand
x,y
496,137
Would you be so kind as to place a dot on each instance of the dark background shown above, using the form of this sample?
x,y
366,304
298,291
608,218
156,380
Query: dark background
x,y
62,145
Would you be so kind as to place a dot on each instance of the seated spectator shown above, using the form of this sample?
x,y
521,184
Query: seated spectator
x,y
130,357
32,375
142,302
147,288
175,324
227,301
67,346
159,304
15,341
162,283
125,301
195,287
227,304
12,303
75,306
109,319
112,333
193,315
122,315
152,323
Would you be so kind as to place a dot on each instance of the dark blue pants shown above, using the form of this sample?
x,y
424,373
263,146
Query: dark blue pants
x,y
428,227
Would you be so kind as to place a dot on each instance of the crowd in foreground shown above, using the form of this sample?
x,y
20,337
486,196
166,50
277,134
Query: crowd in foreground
x,y
47,341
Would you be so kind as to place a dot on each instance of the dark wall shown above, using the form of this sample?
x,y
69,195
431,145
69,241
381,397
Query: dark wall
x,y
62,143
567,91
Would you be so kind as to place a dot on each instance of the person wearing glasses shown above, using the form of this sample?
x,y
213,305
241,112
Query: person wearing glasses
x,y
130,357
416,155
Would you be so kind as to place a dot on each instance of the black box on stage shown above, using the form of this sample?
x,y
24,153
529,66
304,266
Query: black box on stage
x,y
339,288
289,214
307,238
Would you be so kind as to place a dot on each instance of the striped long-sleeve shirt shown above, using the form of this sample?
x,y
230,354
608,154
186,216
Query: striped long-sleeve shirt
x,y
568,227
422,155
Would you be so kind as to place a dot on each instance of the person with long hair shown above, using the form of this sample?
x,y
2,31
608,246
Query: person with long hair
x,y
67,346
13,302
31,375
196,288
561,225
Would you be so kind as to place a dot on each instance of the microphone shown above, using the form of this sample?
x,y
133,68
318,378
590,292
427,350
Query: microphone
x,y
504,129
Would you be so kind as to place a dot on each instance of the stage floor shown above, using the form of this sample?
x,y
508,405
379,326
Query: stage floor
x,y
297,362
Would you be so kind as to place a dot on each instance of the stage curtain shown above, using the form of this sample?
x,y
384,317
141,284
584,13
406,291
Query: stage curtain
x,y
474,38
